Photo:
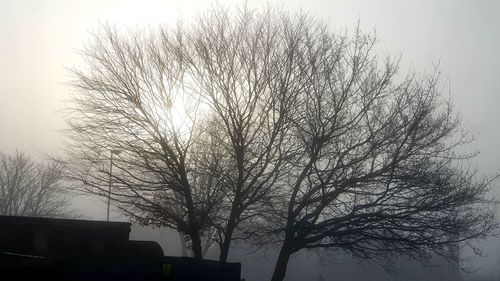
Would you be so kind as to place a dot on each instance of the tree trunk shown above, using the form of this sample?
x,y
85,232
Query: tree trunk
x,y
281,263
224,248
231,226
194,225
196,246
183,244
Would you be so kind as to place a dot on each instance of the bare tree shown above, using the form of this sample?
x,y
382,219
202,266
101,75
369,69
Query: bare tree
x,y
377,174
125,101
292,134
246,67
31,189
238,76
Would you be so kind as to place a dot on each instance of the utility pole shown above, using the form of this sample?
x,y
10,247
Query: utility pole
x,y
112,151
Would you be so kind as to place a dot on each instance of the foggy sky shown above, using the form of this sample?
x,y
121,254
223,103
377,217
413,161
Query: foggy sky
x,y
39,38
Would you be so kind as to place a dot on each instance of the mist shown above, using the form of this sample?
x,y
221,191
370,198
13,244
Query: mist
x,y
40,39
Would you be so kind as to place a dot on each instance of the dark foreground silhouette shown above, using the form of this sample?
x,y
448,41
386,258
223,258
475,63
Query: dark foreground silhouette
x,y
58,249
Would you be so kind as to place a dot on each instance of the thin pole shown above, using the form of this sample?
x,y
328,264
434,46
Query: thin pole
x,y
109,187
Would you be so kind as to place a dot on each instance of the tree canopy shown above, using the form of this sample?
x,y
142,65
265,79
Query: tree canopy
x,y
270,126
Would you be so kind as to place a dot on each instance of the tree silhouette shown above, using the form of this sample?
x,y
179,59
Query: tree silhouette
x,y
31,189
289,134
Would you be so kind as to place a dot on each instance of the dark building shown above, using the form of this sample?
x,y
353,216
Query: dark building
x,y
63,238
62,249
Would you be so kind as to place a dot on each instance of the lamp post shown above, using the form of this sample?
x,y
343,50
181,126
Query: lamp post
x,y
112,151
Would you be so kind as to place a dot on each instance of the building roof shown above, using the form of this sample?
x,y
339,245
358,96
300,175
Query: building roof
x,y
60,222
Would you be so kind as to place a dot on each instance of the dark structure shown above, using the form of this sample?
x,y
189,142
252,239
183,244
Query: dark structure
x,y
60,249
62,238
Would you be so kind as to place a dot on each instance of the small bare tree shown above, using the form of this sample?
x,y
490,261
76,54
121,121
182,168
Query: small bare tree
x,y
31,189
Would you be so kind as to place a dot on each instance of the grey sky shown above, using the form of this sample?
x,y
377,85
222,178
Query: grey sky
x,y
37,39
